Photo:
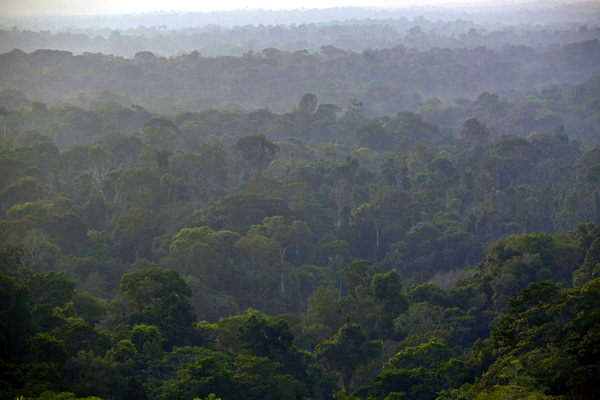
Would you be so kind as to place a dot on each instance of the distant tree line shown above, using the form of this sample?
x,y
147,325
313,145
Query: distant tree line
x,y
350,29
518,90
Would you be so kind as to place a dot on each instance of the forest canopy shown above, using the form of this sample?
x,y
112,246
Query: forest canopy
x,y
419,219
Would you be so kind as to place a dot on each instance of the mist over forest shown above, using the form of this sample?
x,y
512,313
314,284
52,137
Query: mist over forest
x,y
348,203
222,33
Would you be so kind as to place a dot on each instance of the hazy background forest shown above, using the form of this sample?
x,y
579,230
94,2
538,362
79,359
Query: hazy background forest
x,y
349,203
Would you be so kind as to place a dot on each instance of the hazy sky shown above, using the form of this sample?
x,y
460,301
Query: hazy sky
x,y
66,7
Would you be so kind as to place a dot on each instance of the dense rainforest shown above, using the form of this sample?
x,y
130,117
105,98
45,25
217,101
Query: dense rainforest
x,y
385,80
396,223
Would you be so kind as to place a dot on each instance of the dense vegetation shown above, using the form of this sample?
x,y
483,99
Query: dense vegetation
x,y
445,250
538,25
535,85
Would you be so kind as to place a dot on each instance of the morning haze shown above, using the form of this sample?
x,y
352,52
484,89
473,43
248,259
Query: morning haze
x,y
332,201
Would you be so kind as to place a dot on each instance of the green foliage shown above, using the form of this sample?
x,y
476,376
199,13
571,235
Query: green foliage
x,y
265,338
426,354
240,211
87,307
145,289
256,151
516,261
44,348
159,297
347,350
420,371
187,371
11,264
374,136
537,344
120,227
387,290
324,308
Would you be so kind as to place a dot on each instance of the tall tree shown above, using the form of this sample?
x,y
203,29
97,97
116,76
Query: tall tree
x,y
348,349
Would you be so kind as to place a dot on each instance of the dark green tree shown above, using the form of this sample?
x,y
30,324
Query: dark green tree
x,y
159,297
348,349
387,291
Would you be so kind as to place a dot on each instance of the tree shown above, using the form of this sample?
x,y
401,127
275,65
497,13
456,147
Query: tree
x,y
375,137
347,350
256,152
99,164
357,275
307,105
139,186
295,238
22,190
259,378
387,290
44,347
50,290
198,251
209,374
83,305
213,170
420,371
78,337
475,131
160,133
239,211
147,340
136,229
516,261
125,151
266,337
426,354
547,339
159,297
324,308
11,264
260,280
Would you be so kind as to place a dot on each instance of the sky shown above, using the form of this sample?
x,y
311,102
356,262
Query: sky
x,y
71,7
